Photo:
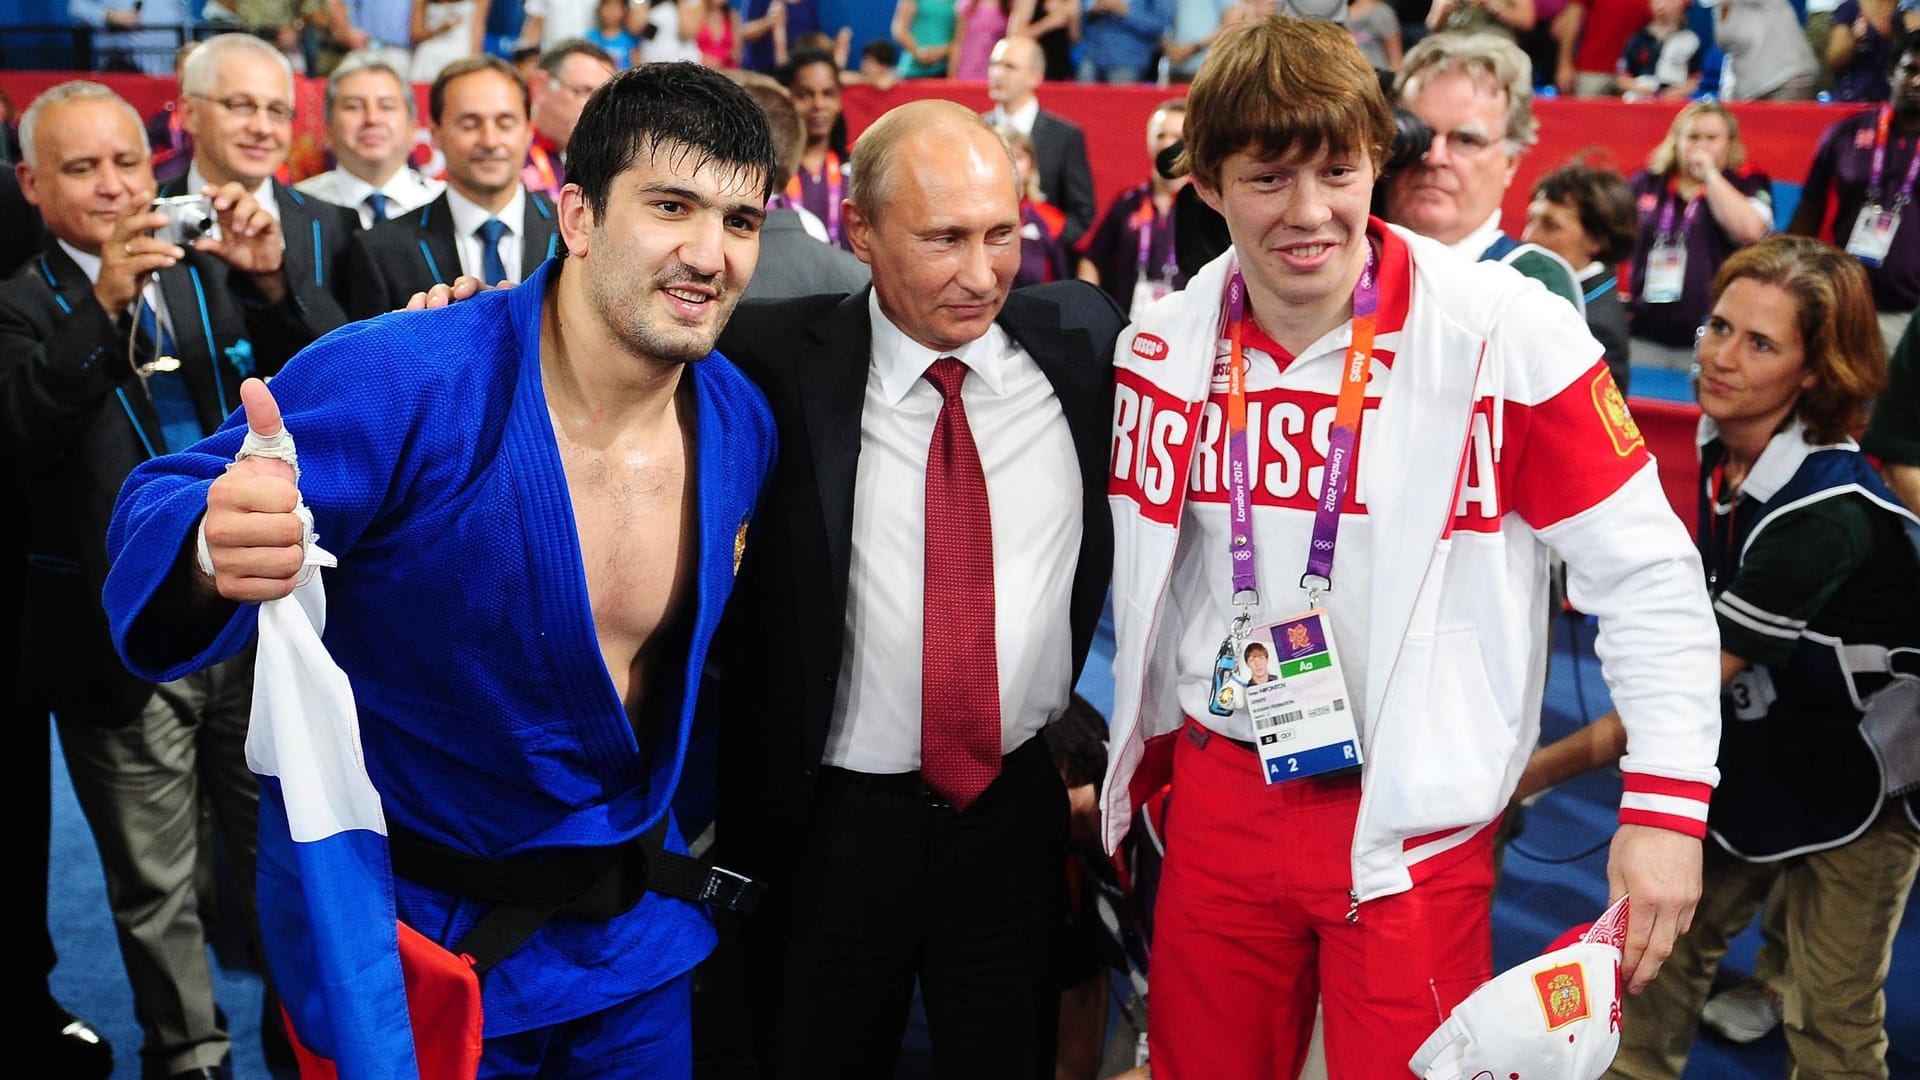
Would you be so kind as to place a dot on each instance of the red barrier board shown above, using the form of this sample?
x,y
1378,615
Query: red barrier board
x,y
1780,138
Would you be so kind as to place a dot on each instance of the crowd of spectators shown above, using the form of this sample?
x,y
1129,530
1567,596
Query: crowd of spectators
x,y
1639,49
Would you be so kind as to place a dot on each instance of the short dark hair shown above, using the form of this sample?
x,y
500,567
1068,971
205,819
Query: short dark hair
x,y
1077,742
802,59
887,54
1603,202
679,106
1252,645
551,60
437,96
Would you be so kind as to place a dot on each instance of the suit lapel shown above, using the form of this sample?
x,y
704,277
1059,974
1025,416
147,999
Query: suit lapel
x,y
296,228
70,286
537,234
1046,149
1036,326
441,257
830,371
194,343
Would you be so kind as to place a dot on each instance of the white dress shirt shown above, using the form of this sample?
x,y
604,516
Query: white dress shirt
x,y
262,195
468,216
1471,245
157,300
406,191
1033,497
1020,119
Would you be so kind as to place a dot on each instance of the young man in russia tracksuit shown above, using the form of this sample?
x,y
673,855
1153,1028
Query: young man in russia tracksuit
x,y
1353,449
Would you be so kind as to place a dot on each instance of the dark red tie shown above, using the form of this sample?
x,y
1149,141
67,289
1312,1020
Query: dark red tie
x,y
959,665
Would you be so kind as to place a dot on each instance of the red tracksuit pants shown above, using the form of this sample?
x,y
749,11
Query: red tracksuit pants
x,y
1251,927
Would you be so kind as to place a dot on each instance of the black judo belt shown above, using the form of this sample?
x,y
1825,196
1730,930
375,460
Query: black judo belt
x,y
594,884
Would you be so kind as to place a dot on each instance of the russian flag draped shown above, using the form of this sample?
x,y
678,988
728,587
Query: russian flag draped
x,y
362,991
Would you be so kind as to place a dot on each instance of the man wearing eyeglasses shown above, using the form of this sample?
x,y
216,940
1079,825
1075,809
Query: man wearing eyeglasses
x,y
237,103
569,74
370,128
1476,92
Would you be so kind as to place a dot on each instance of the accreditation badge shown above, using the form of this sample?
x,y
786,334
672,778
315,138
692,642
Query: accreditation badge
x,y
1296,692
1666,273
1872,234
1147,293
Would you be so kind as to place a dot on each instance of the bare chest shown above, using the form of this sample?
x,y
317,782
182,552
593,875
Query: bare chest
x,y
632,509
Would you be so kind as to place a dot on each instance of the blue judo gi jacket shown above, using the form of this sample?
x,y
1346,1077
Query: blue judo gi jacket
x,y
460,614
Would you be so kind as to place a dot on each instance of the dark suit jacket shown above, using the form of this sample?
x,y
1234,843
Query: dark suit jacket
x,y
77,420
794,264
1607,319
317,234
810,356
390,262
20,232
1060,154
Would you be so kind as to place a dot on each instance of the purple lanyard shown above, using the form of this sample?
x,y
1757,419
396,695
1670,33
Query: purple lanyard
x,y
1343,442
1882,136
1686,219
830,173
1171,267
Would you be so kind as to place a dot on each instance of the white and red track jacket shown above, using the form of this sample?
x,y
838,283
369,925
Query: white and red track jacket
x,y
1500,436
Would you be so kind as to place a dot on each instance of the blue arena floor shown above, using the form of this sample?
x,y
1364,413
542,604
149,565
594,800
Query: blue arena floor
x,y
1537,900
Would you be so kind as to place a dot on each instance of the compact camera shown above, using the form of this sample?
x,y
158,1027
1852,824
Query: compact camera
x,y
189,217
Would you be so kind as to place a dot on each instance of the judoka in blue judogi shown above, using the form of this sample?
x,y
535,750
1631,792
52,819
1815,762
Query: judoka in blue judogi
x,y
522,613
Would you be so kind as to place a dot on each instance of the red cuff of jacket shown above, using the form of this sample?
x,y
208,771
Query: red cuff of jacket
x,y
1664,803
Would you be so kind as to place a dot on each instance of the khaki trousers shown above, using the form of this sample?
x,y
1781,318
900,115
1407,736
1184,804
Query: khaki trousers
x,y
1841,906
141,788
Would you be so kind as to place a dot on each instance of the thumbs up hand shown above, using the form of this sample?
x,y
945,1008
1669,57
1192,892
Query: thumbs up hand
x,y
253,534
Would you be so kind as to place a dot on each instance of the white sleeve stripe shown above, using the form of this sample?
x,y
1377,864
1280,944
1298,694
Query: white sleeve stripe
x,y
1755,626
1664,804
1761,614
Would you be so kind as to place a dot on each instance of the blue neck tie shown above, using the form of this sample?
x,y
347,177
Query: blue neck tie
x,y
492,270
378,203
172,399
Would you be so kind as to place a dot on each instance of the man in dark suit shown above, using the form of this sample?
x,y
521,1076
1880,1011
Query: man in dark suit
x,y
486,224
793,262
1059,147
892,787
56,1043
237,103
116,346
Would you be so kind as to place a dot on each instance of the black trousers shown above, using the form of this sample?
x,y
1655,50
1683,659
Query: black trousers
x,y
896,886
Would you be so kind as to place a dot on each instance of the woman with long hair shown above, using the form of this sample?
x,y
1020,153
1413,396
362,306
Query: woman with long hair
x,y
820,183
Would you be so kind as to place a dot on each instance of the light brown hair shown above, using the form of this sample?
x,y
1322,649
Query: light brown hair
x,y
1666,156
1284,86
1494,63
1019,142
1838,328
